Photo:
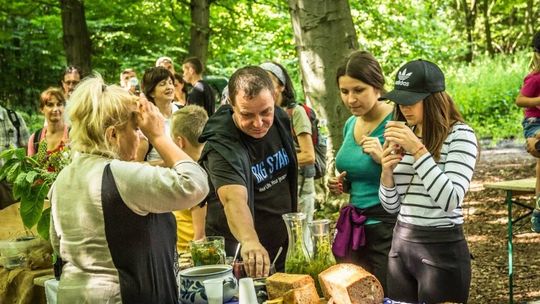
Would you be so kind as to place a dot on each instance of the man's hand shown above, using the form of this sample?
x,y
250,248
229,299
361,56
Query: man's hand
x,y
256,259
235,204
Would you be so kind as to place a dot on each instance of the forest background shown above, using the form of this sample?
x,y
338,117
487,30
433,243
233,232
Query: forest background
x,y
483,46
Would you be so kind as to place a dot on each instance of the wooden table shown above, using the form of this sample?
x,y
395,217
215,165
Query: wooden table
x,y
520,186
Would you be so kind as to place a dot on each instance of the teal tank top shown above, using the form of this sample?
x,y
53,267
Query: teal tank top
x,y
363,172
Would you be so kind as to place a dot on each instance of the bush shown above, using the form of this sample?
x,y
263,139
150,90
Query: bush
x,y
485,93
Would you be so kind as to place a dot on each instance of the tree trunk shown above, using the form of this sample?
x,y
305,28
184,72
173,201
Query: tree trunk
x,y
530,20
486,9
200,29
470,20
325,35
77,42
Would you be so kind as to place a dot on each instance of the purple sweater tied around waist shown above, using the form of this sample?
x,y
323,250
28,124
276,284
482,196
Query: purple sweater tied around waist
x,y
350,231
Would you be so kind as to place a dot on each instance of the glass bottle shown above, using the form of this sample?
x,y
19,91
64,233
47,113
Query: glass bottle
x,y
322,249
297,259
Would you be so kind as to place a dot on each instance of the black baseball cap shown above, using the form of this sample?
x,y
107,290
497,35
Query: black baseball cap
x,y
415,81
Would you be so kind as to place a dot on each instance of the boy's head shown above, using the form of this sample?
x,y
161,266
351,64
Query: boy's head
x,y
186,127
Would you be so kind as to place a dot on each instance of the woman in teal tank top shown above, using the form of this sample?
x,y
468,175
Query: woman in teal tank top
x,y
364,228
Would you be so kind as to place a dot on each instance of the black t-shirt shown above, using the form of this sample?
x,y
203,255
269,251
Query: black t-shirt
x,y
269,166
202,95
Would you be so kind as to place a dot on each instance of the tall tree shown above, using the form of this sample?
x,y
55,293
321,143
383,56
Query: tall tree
x,y
531,18
470,21
486,12
200,29
77,42
324,35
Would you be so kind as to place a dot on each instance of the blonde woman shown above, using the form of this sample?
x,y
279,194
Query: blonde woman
x,y
111,217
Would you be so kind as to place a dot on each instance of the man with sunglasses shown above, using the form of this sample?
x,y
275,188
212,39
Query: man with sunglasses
x,y
70,80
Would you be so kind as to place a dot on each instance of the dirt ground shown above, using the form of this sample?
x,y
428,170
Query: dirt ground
x,y
485,229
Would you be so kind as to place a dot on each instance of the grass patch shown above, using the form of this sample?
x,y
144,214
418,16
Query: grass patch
x,y
485,93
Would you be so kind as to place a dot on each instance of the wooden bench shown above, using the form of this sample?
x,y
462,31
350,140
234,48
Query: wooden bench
x,y
515,187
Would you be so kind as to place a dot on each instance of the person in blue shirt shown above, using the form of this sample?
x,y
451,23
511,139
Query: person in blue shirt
x,y
364,228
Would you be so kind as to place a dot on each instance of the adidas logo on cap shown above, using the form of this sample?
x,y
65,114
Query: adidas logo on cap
x,y
402,76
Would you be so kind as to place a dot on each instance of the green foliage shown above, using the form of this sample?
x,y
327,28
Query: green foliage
x,y
400,31
32,177
134,33
31,52
485,93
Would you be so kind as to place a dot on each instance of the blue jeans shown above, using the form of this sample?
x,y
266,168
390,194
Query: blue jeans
x,y
531,126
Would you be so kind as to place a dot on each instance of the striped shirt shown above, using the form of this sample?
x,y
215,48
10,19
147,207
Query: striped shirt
x,y
430,193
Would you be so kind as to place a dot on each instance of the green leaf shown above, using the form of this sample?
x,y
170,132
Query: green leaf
x,y
18,191
44,224
20,153
31,176
32,205
21,179
13,172
6,154
6,167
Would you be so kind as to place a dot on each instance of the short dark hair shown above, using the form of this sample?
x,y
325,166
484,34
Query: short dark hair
x,y
251,80
179,78
152,77
363,66
71,69
196,64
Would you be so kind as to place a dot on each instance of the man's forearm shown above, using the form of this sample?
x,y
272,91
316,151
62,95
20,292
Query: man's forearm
x,y
240,221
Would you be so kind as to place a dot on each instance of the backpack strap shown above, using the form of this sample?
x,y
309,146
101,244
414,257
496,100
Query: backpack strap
x,y
314,123
14,118
37,136
289,109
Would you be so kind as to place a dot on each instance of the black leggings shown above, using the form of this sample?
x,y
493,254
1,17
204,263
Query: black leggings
x,y
428,265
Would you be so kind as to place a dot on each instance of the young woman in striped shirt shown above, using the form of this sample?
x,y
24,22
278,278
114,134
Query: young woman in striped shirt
x,y
427,166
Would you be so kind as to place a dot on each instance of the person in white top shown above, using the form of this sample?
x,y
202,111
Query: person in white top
x,y
427,166
158,87
111,217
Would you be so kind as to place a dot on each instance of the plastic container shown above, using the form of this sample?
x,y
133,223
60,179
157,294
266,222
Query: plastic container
x,y
13,253
208,251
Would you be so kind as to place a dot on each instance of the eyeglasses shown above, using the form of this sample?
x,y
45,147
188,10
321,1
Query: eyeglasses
x,y
71,82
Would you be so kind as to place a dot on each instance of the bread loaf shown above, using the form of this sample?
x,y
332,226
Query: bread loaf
x,y
350,284
303,295
279,283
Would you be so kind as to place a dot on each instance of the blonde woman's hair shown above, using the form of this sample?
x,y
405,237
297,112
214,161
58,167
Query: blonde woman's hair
x,y
535,63
93,107
189,122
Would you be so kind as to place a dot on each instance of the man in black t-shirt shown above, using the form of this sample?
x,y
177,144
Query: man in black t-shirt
x,y
251,163
201,93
